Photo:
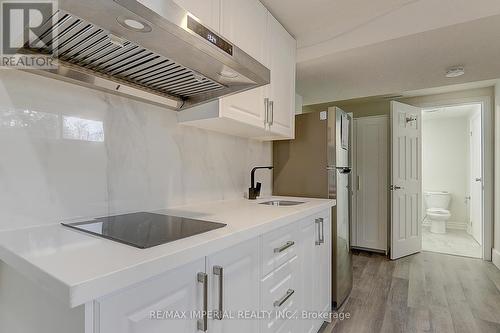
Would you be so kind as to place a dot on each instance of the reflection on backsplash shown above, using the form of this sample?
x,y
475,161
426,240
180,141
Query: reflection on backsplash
x,y
68,152
75,128
52,126
39,124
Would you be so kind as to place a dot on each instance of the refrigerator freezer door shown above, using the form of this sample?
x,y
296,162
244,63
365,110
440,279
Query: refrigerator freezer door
x,y
341,258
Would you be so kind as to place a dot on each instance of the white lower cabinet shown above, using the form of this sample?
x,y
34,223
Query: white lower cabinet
x,y
133,310
316,269
277,276
234,288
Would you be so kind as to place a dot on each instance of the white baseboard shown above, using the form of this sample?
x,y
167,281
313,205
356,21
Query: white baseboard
x,y
495,257
449,224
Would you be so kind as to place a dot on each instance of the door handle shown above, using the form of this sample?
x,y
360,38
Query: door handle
x,y
271,109
219,271
202,323
479,179
283,299
284,247
266,111
320,225
395,187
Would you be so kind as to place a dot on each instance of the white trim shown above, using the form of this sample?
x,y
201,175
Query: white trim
x,y
496,258
488,161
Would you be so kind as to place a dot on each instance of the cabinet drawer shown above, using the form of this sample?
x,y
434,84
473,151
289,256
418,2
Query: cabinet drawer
x,y
278,247
281,293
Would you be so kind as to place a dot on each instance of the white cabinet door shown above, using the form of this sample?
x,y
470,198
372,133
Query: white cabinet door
x,y
244,23
282,49
175,292
369,229
315,251
323,259
234,285
308,238
208,11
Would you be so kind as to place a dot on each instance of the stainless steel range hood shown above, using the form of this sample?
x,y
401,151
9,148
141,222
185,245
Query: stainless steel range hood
x,y
153,51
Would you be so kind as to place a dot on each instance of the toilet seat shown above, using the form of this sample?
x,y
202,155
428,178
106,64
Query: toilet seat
x,y
438,211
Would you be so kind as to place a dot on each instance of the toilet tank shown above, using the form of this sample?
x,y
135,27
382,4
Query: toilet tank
x,y
437,199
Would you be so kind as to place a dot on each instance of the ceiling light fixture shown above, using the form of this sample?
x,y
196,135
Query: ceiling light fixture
x,y
133,24
455,71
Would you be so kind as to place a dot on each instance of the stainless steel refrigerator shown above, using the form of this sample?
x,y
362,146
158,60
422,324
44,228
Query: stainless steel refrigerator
x,y
317,163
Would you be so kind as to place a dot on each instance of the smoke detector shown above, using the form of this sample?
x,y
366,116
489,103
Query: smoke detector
x,y
455,71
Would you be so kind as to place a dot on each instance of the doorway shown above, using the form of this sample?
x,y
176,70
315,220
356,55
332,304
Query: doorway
x,y
452,180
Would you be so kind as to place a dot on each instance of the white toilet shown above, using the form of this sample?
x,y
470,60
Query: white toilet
x,y
437,204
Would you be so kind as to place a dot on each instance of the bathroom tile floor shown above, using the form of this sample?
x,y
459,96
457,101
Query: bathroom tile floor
x,y
457,242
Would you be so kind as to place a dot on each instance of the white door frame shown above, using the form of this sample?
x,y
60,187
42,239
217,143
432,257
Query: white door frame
x,y
487,150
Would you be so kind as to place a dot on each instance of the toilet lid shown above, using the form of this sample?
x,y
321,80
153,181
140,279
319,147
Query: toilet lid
x,y
438,211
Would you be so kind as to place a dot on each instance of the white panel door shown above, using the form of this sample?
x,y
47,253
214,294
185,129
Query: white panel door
x,y
234,285
370,174
406,180
175,292
282,48
476,174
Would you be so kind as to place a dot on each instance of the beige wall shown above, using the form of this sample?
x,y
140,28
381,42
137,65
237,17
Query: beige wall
x,y
445,162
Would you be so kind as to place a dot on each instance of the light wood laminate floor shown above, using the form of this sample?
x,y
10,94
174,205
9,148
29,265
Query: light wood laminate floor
x,y
426,292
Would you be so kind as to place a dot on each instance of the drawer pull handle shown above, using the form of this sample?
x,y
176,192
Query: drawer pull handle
x,y
282,300
284,247
202,323
218,270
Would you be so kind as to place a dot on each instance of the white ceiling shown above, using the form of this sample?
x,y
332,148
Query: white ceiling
x,y
356,48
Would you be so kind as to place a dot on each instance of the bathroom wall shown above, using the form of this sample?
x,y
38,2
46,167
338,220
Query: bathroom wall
x,y
445,162
68,152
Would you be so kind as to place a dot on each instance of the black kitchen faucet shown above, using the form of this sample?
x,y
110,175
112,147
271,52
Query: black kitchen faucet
x,y
254,191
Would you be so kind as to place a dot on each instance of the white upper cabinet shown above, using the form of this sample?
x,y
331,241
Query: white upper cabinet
x,y
208,11
282,49
264,113
244,23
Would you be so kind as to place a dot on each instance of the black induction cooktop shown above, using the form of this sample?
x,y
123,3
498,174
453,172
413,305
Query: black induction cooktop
x,y
144,230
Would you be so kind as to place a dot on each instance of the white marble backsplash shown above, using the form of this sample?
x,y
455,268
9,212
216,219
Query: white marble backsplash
x,y
70,152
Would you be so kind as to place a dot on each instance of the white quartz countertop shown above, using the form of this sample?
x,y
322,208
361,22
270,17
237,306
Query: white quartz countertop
x,y
78,267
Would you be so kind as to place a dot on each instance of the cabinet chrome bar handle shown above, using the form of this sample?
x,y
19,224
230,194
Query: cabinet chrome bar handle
x,y
283,299
266,111
202,323
322,234
284,247
271,107
219,271
318,225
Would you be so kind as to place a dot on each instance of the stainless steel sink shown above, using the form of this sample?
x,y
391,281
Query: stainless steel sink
x,y
281,203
